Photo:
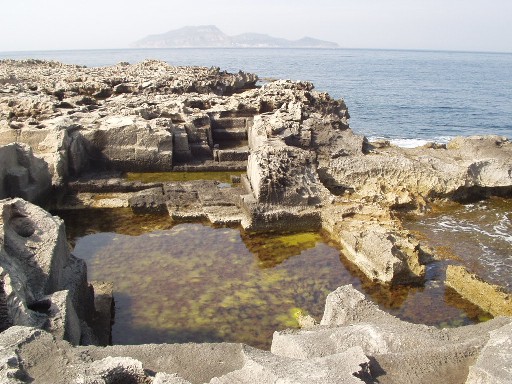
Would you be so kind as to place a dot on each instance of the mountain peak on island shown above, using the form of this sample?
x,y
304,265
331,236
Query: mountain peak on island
x,y
209,36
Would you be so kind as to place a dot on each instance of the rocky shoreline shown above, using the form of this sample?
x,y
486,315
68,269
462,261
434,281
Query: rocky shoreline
x,y
67,133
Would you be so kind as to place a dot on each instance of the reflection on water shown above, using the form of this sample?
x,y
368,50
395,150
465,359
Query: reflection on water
x,y
478,235
192,282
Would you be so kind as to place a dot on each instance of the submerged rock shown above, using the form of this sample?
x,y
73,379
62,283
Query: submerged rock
x,y
489,297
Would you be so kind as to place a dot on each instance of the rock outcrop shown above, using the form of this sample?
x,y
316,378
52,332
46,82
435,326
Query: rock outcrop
x,y
398,352
303,161
464,168
44,285
126,117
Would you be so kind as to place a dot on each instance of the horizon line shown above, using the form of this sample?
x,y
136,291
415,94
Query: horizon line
x,y
262,48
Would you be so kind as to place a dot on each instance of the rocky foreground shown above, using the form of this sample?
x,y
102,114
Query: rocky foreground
x,y
69,132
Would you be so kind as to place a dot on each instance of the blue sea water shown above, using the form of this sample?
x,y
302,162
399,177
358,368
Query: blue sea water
x,y
407,96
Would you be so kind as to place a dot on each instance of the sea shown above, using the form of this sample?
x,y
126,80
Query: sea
x,y
408,97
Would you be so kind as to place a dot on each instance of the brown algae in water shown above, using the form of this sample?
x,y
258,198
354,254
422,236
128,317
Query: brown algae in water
x,y
195,283
162,177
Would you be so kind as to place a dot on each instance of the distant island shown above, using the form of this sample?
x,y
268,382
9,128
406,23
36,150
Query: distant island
x,y
209,36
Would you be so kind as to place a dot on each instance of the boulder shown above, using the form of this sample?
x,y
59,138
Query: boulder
x,y
382,254
284,175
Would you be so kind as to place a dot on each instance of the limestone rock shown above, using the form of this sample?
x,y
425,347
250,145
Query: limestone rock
x,y
129,144
165,378
399,352
489,297
114,370
262,367
36,265
494,364
40,357
382,254
398,176
197,363
48,143
284,175
63,320
22,174
39,254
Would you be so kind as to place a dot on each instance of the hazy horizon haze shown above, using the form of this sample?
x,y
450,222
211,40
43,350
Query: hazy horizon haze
x,y
472,25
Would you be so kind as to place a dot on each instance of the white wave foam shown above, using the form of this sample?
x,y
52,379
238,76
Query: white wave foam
x,y
412,143
408,143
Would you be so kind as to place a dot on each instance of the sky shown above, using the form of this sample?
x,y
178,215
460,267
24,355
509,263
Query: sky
x,y
461,25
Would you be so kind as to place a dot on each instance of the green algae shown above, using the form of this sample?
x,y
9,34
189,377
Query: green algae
x,y
162,177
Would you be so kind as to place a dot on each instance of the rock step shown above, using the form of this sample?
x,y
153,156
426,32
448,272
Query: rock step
x,y
229,122
201,150
231,134
232,154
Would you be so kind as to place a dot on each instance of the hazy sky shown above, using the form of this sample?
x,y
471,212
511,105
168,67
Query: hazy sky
x,y
474,25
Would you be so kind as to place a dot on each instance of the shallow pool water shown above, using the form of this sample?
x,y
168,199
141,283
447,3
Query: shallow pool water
x,y
150,177
194,283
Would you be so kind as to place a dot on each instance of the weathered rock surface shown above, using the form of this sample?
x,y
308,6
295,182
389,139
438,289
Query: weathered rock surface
x,y
302,158
399,352
22,174
399,176
264,368
491,298
306,170
44,285
494,364
125,117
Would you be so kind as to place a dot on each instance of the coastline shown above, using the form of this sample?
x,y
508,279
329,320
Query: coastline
x,y
306,169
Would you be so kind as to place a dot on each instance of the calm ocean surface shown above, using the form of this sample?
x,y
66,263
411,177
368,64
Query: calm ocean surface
x,y
406,96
